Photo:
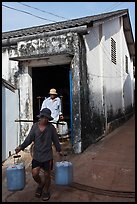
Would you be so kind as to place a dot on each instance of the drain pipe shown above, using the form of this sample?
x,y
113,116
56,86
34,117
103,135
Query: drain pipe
x,y
13,41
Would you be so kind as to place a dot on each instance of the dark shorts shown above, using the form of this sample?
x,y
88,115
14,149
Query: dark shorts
x,y
46,166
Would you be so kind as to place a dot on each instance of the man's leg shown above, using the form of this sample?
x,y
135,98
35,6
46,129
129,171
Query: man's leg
x,y
37,179
47,181
36,176
46,190
47,172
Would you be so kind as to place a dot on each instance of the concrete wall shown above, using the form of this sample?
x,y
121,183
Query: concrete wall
x,y
3,125
5,64
96,109
94,64
9,67
25,100
110,88
119,91
48,47
10,129
128,79
113,73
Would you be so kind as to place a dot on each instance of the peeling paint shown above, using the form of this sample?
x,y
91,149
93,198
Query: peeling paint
x,y
112,115
129,109
46,45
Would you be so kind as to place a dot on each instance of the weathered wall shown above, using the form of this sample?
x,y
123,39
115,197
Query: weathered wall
x,y
47,45
3,125
118,95
91,118
113,73
107,82
76,105
94,69
5,64
25,103
95,80
66,43
128,79
17,75
9,67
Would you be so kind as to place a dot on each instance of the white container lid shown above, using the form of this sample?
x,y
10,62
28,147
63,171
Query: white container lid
x,y
63,163
15,166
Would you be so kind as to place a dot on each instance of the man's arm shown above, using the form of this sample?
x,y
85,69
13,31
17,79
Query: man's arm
x,y
60,112
27,141
55,140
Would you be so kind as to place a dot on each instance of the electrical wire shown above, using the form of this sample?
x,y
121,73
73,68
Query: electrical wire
x,y
108,8
114,6
117,5
28,13
42,11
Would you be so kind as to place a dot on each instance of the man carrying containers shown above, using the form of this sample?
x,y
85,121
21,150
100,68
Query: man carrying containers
x,y
42,133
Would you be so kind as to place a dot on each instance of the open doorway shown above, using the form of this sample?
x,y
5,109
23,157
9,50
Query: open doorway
x,y
45,78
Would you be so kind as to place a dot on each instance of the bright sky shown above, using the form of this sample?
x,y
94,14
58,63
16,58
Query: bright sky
x,y
12,19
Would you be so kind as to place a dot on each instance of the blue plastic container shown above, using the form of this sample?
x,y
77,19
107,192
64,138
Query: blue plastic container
x,y
16,177
63,173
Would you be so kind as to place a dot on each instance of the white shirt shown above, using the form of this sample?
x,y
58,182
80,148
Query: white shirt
x,y
54,105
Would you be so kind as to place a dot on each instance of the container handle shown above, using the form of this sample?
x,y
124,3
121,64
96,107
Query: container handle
x,y
16,156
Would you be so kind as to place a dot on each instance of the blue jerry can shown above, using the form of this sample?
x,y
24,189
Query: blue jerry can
x,y
63,173
16,177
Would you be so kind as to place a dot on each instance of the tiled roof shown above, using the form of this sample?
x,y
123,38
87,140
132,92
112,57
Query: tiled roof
x,y
63,25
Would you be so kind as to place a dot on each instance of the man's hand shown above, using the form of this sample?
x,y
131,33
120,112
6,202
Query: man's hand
x,y
17,150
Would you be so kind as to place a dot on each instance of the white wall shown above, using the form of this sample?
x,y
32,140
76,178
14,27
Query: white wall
x,y
5,65
3,125
94,65
9,67
26,101
104,76
128,79
10,129
113,82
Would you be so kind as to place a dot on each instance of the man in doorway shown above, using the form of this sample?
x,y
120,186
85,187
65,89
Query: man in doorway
x,y
54,104
42,133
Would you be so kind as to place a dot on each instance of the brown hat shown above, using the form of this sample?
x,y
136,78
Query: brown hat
x,y
53,91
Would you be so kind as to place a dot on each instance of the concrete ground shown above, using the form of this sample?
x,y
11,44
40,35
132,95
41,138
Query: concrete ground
x,y
108,165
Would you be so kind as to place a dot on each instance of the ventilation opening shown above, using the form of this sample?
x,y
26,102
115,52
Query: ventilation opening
x,y
126,64
113,51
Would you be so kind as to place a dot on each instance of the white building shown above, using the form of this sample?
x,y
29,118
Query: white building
x,y
10,112
88,60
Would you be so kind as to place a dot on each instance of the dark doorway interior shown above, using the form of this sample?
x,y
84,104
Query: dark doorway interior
x,y
45,78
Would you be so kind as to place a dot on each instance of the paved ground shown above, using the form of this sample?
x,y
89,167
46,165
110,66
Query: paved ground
x,y
109,164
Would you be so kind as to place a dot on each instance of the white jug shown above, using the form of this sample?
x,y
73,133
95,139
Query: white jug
x,y
63,128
